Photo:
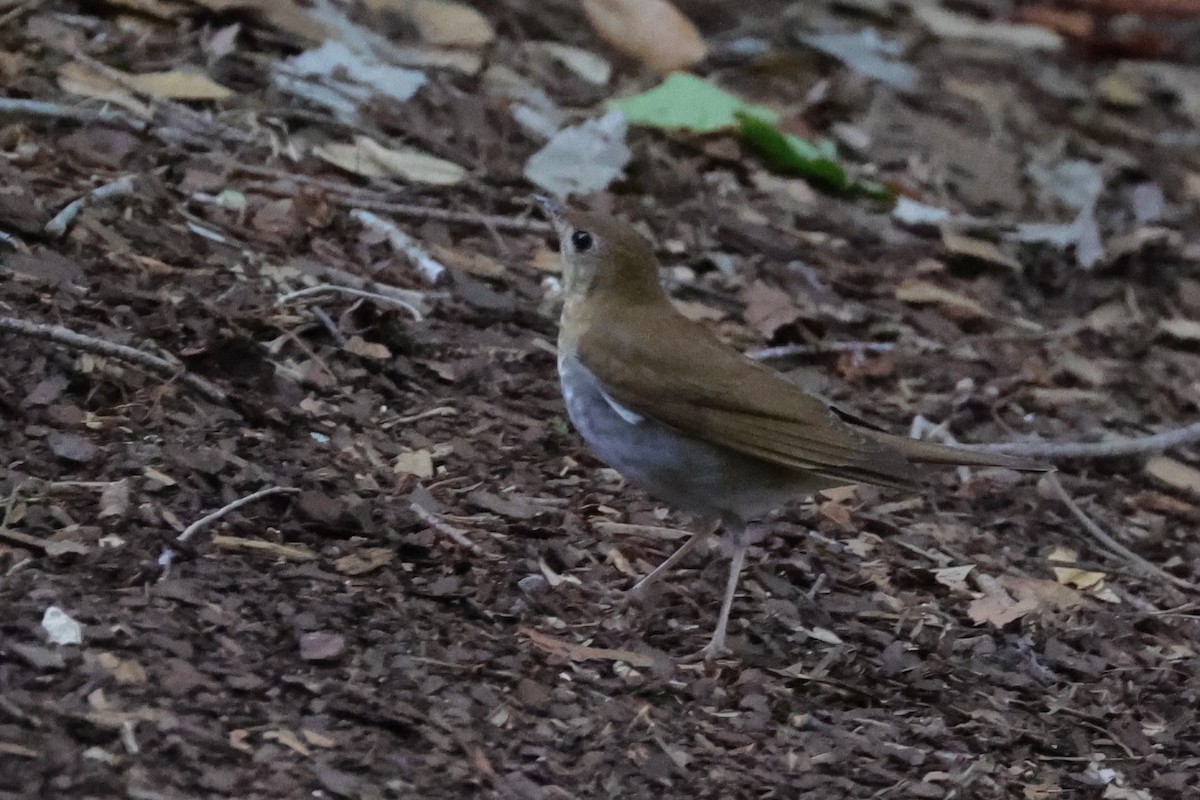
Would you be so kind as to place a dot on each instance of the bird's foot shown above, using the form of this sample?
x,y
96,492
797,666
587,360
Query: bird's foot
x,y
635,595
709,653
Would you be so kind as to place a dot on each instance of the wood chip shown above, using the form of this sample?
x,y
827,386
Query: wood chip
x,y
293,552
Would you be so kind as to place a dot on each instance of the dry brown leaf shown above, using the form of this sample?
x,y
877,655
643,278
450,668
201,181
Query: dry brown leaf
x,y
579,652
286,15
924,292
125,670
654,31
953,577
177,84
366,561
996,606
78,79
768,308
1174,473
442,22
370,159
474,263
1073,576
372,350
978,250
1046,594
697,311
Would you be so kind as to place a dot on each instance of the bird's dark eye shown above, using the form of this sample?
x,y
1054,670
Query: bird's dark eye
x,y
581,241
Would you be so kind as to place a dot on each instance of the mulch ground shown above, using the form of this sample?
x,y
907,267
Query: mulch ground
x,y
342,641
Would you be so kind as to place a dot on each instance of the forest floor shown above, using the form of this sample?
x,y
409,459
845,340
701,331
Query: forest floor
x,y
430,606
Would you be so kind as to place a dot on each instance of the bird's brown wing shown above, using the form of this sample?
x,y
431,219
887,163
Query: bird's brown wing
x,y
664,366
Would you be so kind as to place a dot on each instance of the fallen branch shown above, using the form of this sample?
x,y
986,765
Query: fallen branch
x,y
1114,448
121,352
57,226
1110,545
190,530
326,288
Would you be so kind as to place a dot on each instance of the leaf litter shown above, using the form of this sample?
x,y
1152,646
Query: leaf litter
x,y
436,611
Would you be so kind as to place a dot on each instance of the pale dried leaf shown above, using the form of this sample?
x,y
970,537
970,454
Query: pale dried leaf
x,y
370,159
372,350
1046,594
114,500
978,250
363,562
78,79
414,462
126,671
587,65
653,31
924,292
177,84
287,739
953,577
316,738
1174,473
996,607
445,23
582,158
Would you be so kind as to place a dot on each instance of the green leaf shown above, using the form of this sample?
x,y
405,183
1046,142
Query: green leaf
x,y
686,102
791,155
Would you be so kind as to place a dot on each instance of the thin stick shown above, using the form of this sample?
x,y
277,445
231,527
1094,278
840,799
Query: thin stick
x,y
821,348
427,265
190,530
1116,448
57,226
1108,543
326,288
340,277
40,108
131,355
496,221
441,526
350,196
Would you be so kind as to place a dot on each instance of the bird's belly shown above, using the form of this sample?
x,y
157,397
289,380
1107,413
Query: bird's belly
x,y
681,470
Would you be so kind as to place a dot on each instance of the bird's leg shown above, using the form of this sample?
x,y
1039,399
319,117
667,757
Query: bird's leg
x,y
639,588
716,646
738,542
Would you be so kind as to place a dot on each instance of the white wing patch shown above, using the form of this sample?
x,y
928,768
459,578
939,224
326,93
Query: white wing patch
x,y
632,417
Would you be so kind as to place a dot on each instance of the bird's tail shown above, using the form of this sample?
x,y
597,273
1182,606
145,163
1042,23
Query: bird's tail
x,y
922,452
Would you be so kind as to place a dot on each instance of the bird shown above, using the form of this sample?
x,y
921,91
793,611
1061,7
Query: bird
x,y
693,422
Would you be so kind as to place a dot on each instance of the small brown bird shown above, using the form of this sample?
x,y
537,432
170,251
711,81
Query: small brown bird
x,y
661,400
